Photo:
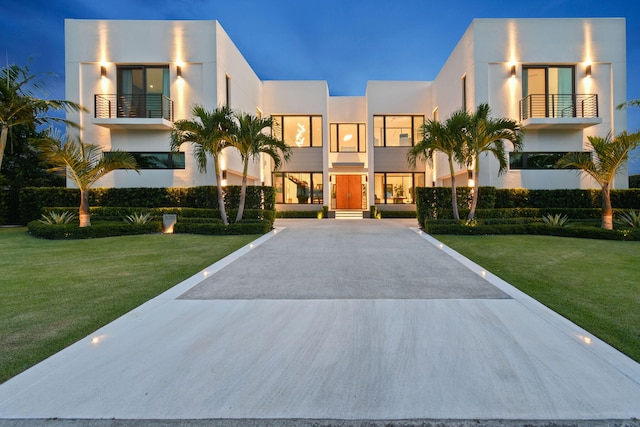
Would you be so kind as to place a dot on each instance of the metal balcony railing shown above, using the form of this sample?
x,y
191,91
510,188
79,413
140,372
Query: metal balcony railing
x,y
559,106
149,106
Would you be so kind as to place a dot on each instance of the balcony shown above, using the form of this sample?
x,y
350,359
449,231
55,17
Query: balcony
x,y
558,111
117,111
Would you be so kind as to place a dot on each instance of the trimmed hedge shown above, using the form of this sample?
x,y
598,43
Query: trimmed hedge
x,y
243,227
395,214
102,213
298,214
97,229
437,227
34,199
435,202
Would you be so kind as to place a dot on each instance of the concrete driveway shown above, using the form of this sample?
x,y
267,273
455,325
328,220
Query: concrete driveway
x,y
333,322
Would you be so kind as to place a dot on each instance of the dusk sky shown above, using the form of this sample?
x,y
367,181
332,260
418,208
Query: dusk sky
x,y
345,42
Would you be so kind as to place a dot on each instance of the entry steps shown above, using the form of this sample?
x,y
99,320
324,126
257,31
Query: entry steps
x,y
349,214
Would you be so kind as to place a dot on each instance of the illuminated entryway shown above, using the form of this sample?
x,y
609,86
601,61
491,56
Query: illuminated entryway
x,y
350,192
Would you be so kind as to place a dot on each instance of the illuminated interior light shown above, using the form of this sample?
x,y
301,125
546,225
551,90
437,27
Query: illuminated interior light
x,y
347,137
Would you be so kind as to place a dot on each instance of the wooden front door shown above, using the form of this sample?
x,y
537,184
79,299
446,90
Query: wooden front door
x,y
348,192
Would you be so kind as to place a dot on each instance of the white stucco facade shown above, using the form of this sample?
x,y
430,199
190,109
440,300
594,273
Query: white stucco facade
x,y
560,78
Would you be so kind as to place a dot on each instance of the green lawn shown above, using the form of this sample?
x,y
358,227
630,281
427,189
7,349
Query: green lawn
x,y
594,283
53,293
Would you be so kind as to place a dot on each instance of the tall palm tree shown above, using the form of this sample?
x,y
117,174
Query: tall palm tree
x,y
84,164
209,132
250,139
19,103
608,155
446,138
486,135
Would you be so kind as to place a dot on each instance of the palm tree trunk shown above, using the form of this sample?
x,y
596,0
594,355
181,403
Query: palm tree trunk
x,y
243,190
85,216
3,141
454,192
607,210
474,198
223,211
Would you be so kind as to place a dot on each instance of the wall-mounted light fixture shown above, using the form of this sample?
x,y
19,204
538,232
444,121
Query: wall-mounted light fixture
x,y
179,71
103,72
513,70
588,71
224,174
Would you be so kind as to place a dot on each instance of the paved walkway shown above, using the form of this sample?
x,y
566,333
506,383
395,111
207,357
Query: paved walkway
x,y
331,323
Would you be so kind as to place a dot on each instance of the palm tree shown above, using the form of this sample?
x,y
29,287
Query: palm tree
x,y
446,138
250,139
608,155
209,132
84,164
19,103
486,135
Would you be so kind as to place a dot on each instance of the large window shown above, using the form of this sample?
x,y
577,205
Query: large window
x,y
397,188
143,91
298,131
535,160
549,91
396,131
348,138
158,160
298,187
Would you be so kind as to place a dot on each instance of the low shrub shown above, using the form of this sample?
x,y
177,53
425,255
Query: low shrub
x,y
97,229
458,228
297,214
395,214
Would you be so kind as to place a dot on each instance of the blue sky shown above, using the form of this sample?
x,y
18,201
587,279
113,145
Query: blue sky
x,y
345,42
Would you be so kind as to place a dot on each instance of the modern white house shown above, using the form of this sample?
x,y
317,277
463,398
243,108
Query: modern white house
x,y
560,78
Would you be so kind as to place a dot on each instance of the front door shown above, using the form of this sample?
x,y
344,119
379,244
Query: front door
x,y
348,192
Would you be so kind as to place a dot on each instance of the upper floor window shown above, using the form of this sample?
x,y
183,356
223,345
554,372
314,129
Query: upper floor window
x,y
464,91
547,79
143,91
298,131
396,131
348,138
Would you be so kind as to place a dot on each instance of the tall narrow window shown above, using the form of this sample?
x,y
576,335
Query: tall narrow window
x,y
464,92
228,90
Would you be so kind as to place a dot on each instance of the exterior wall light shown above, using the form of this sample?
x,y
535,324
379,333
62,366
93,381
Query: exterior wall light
x,y
588,71
224,174
103,72
179,71
513,71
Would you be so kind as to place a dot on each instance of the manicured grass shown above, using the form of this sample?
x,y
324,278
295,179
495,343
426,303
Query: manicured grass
x,y
594,283
56,292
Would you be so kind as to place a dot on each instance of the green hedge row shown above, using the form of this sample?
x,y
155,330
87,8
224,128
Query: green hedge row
x,y
34,199
396,214
436,227
102,213
116,228
435,202
97,229
507,213
298,214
